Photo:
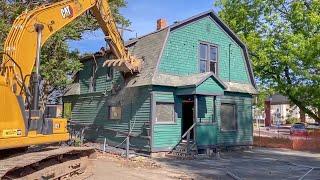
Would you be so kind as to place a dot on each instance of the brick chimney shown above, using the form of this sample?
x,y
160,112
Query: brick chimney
x,y
161,23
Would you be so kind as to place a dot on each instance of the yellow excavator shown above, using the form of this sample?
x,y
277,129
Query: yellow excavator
x,y
21,121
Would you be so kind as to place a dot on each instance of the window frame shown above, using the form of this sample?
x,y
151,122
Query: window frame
x,y
109,112
67,106
208,58
235,117
174,113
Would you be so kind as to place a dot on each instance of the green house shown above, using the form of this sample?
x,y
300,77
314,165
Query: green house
x,y
196,79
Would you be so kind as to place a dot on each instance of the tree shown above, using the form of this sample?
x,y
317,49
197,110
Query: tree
x,y
58,64
284,44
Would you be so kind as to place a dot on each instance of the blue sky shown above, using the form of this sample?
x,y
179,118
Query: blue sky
x,y
143,15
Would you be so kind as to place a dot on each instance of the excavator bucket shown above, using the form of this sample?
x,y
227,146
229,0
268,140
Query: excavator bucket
x,y
123,65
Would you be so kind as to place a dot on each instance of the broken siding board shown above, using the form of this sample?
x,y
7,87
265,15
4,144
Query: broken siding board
x,y
102,84
84,77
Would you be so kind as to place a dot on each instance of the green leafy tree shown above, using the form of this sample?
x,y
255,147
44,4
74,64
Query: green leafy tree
x,y
58,63
284,44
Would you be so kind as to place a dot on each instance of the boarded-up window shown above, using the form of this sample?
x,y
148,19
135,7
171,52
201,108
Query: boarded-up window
x,y
165,112
228,117
114,112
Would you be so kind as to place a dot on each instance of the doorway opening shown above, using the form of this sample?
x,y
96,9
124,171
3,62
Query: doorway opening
x,y
187,115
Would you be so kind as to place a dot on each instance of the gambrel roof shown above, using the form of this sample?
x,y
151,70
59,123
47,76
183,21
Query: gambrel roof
x,y
227,29
151,46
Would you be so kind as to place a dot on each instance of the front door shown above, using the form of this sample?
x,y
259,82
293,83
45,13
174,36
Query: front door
x,y
187,115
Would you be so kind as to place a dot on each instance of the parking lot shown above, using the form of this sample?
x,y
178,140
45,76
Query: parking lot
x,y
258,163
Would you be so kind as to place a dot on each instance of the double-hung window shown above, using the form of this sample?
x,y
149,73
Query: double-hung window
x,y
208,58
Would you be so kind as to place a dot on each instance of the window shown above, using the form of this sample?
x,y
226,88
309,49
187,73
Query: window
x,y
228,117
109,73
67,110
208,58
165,112
114,112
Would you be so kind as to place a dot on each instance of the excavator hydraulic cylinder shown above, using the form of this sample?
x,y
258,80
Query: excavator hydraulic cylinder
x,y
36,76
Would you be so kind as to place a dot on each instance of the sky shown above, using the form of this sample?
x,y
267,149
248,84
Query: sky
x,y
143,15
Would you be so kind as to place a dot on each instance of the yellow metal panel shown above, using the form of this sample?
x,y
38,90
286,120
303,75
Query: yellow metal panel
x,y
59,125
2,81
11,117
36,140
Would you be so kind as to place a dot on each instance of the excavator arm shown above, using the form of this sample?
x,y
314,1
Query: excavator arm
x,y
22,43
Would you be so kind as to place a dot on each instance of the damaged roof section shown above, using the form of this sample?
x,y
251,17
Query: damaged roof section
x,y
149,49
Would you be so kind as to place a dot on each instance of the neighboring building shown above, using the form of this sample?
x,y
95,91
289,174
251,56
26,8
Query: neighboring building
x,y
194,71
281,109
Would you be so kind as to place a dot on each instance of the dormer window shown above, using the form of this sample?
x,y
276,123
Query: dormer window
x,y
208,58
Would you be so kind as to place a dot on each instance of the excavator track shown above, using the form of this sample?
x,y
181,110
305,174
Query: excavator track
x,y
63,162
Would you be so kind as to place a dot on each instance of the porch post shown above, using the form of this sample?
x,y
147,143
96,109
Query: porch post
x,y
195,115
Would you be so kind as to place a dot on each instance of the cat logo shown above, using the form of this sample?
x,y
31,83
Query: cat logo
x,y
67,12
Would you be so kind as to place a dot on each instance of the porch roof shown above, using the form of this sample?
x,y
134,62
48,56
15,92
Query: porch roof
x,y
184,81
204,83
193,84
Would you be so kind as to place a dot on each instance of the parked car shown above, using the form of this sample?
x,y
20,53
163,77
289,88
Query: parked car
x,y
298,129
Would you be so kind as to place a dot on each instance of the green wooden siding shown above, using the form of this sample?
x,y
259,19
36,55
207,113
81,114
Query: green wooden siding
x,y
91,110
85,77
206,134
206,129
181,53
210,86
205,109
243,135
164,97
102,84
167,136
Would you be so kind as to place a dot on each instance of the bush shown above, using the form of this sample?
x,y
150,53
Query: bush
x,y
292,120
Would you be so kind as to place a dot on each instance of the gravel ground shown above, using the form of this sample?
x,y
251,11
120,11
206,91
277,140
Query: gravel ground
x,y
113,167
258,163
